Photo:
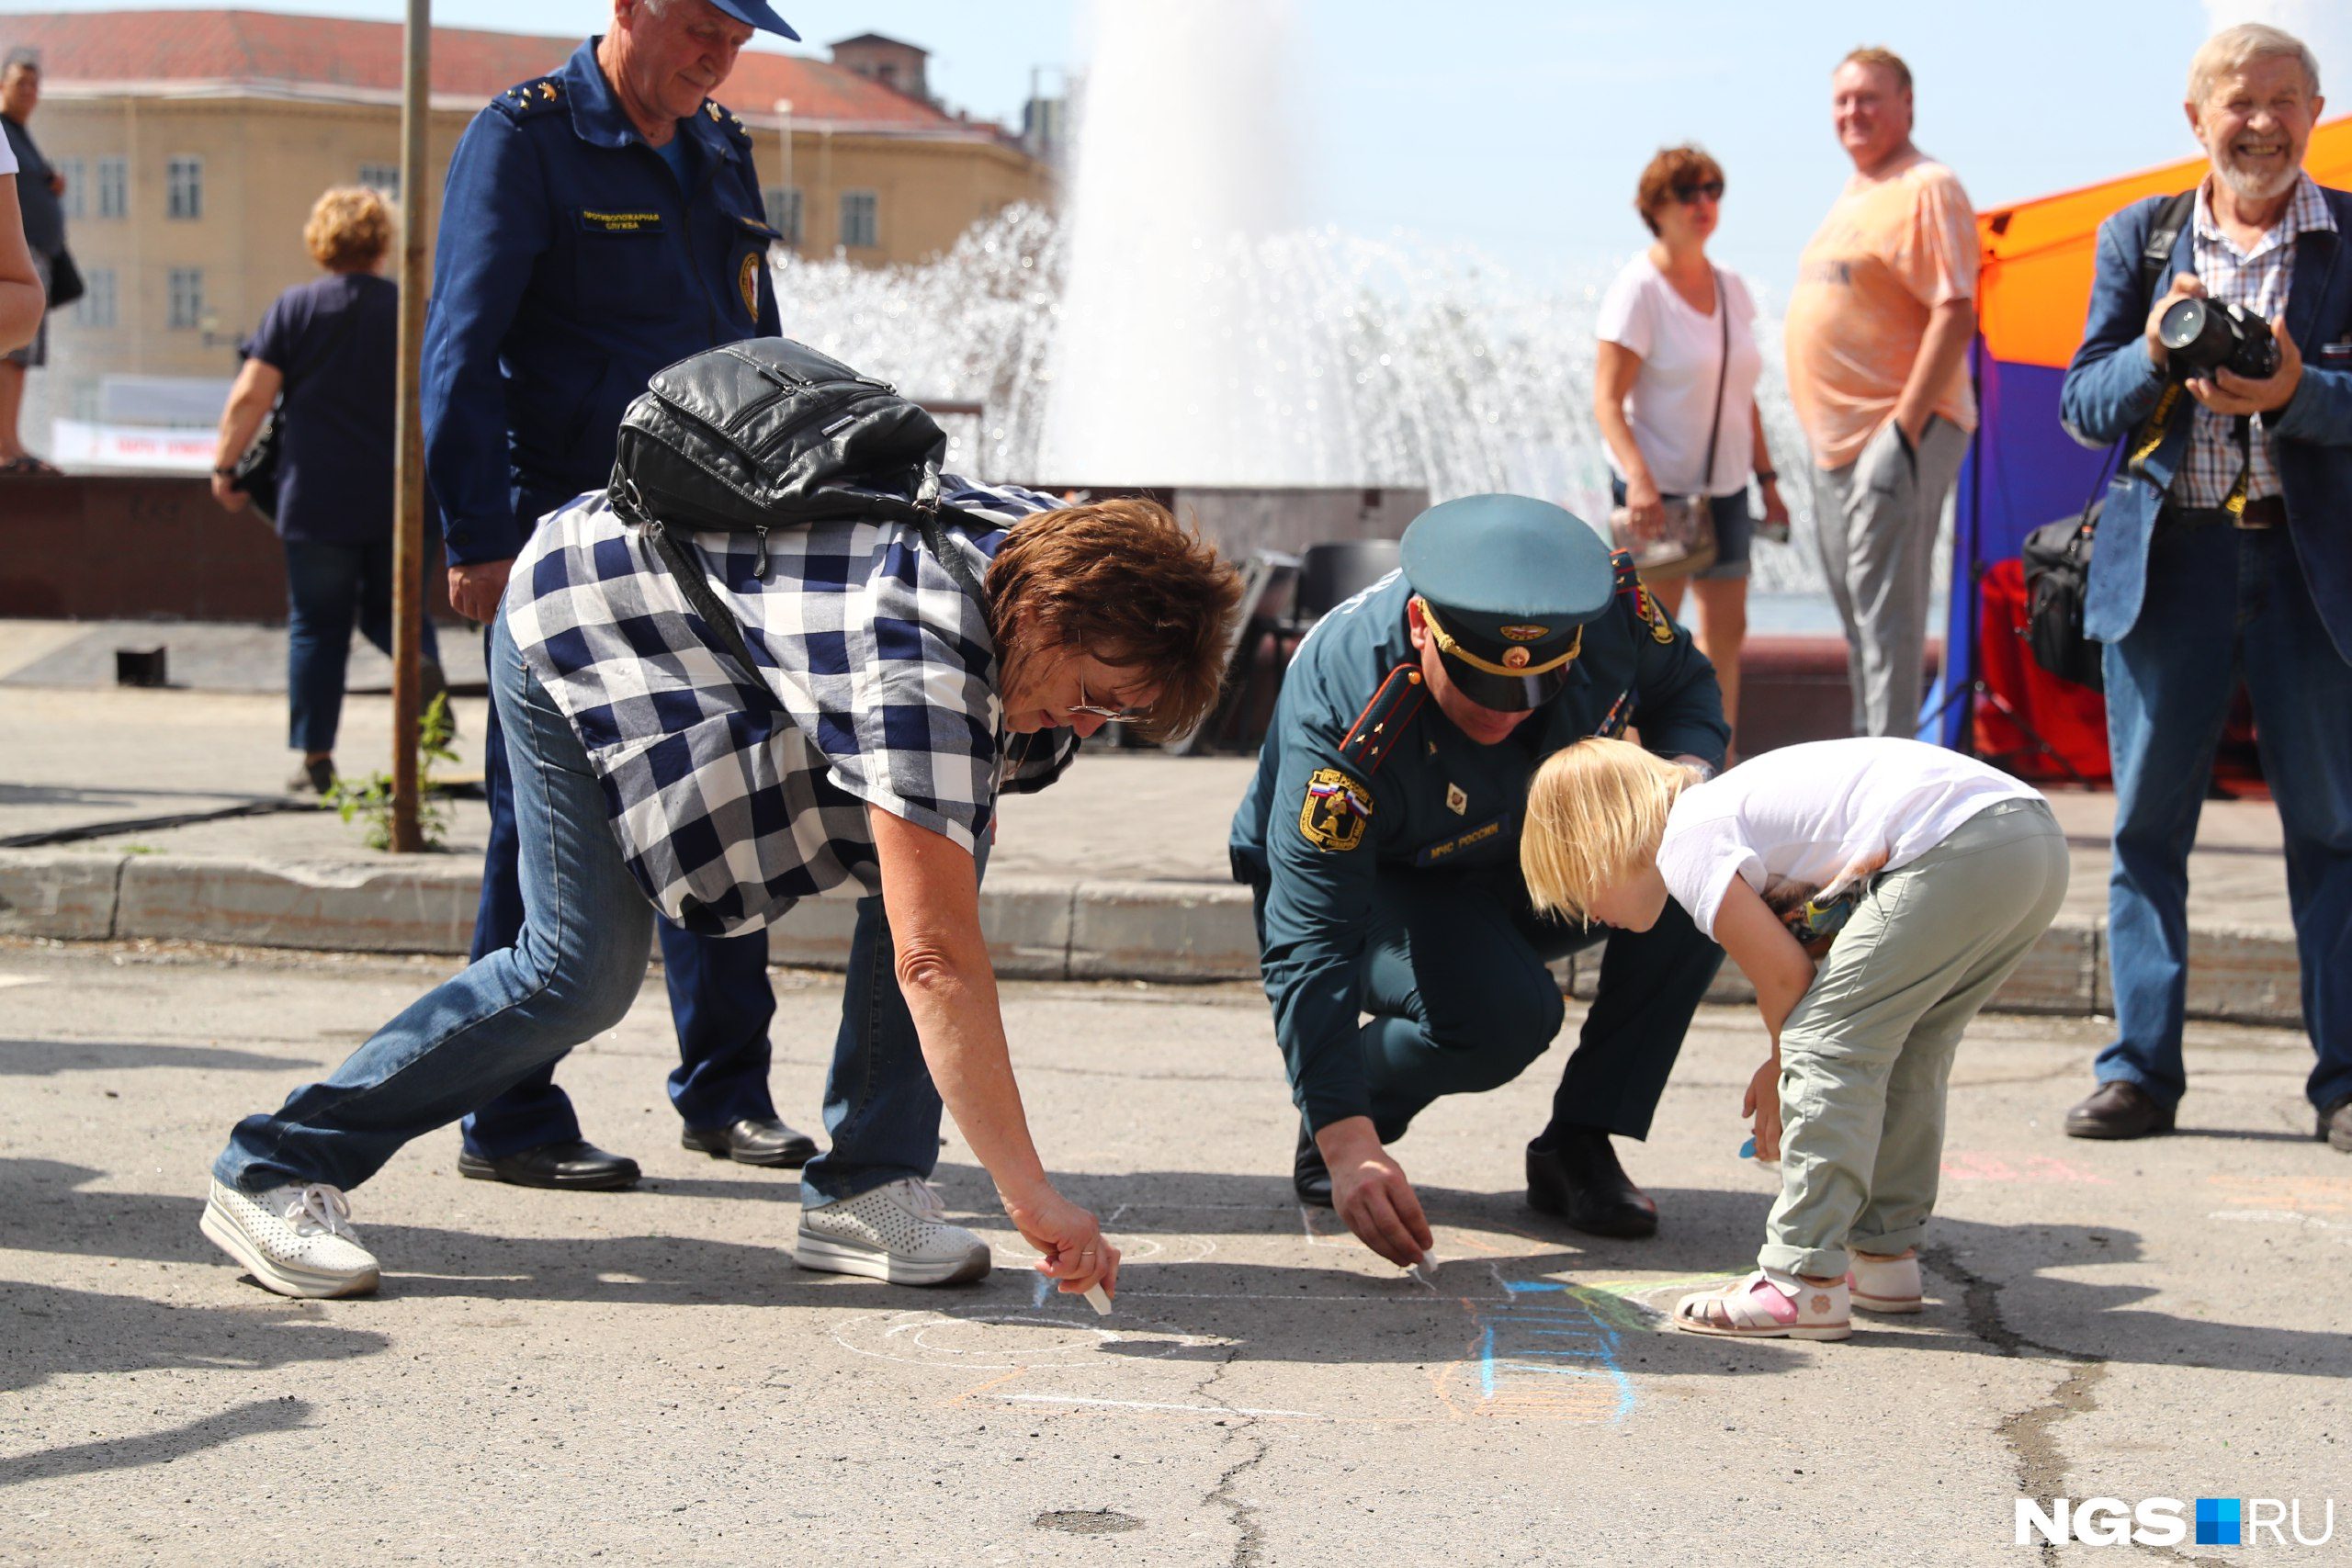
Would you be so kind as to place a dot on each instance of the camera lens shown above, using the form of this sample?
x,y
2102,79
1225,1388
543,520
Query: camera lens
x,y
2184,323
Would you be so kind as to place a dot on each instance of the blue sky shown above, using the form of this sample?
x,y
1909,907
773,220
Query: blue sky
x,y
1519,127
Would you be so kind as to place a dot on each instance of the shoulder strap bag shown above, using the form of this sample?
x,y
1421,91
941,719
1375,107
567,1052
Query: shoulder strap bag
x,y
2057,556
1686,539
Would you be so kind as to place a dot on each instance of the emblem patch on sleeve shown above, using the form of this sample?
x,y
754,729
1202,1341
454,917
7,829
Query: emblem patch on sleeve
x,y
1335,811
1647,606
748,279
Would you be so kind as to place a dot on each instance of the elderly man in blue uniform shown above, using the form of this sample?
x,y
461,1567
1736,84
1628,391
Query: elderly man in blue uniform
x,y
1381,838
599,224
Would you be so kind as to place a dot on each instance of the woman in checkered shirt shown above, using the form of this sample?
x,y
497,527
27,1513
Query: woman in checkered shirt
x,y
898,692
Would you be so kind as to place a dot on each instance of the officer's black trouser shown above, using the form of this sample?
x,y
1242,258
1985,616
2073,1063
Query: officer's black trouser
x,y
1461,1000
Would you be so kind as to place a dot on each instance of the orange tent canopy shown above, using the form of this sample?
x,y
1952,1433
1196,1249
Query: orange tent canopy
x,y
2034,292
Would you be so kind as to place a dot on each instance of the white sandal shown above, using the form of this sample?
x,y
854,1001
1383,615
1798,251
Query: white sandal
x,y
1888,1286
1759,1308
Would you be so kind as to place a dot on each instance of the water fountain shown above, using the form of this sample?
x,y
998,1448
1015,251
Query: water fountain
x,y
1169,331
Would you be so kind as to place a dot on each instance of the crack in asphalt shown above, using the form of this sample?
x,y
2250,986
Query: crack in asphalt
x,y
2031,1435
1249,1549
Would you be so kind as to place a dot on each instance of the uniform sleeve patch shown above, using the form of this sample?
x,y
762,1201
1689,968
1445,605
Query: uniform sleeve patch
x,y
1335,812
1649,610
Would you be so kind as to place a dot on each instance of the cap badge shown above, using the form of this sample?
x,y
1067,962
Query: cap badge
x,y
1516,658
1455,801
1526,634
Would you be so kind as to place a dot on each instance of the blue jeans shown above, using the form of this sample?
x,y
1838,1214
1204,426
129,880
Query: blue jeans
x,y
720,998
328,586
576,965
2223,604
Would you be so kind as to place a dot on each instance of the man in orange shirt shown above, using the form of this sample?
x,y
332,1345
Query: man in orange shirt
x,y
1878,332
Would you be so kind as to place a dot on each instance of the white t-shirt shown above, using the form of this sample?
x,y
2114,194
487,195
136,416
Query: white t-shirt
x,y
1682,353
1818,820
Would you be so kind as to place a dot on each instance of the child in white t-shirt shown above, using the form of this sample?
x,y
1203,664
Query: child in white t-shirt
x,y
1919,878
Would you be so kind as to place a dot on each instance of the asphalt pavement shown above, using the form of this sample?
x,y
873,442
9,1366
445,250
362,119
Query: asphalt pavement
x,y
646,1378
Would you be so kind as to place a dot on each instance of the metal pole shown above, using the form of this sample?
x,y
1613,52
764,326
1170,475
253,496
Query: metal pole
x,y
791,199
408,484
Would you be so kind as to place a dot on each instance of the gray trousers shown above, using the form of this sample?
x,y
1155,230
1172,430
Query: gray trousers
x,y
1868,1050
1875,520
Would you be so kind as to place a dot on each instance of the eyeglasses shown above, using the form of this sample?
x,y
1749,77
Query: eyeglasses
x,y
1689,195
1094,710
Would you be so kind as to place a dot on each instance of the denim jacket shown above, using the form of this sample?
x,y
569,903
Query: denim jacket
x,y
2112,386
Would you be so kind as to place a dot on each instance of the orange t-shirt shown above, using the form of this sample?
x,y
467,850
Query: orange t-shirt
x,y
1891,249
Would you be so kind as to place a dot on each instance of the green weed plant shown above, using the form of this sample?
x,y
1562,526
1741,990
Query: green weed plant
x,y
370,799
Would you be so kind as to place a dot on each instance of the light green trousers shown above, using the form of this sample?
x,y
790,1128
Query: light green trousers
x,y
1866,1054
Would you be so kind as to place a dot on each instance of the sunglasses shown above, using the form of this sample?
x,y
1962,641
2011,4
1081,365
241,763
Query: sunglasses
x,y
1689,195
1095,710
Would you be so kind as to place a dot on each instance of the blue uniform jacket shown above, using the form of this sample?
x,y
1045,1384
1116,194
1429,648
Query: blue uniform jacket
x,y
2112,386
571,267
1362,777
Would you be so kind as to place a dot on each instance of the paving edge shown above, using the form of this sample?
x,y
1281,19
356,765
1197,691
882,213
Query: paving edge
x,y
1037,928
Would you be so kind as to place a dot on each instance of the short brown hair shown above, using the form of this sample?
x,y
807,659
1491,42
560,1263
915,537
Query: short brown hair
x,y
1123,581
1875,54
1686,164
349,230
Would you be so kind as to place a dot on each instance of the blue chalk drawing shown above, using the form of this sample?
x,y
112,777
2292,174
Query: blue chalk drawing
x,y
1550,1353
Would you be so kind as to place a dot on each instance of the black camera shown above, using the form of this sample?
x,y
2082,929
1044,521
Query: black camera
x,y
2201,337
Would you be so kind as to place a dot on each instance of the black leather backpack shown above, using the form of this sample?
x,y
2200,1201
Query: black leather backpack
x,y
769,434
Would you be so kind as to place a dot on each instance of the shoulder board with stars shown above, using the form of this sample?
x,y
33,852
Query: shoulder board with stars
x,y
1382,721
724,117
529,98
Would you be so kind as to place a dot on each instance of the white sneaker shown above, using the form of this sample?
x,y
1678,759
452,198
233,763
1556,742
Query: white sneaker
x,y
897,1232
1888,1285
297,1241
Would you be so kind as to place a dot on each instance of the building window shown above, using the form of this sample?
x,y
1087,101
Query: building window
x,y
184,187
114,187
187,297
72,169
384,179
783,211
861,222
97,306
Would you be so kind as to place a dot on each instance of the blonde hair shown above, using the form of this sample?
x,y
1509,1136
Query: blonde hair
x,y
349,230
2232,50
1887,58
1595,814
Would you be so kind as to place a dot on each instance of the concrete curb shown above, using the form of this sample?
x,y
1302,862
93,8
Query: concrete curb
x,y
1037,928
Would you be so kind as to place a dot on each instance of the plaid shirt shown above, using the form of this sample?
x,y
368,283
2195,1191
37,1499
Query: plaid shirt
x,y
877,687
2256,281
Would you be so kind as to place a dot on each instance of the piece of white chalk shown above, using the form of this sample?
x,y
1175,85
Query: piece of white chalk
x,y
1098,1301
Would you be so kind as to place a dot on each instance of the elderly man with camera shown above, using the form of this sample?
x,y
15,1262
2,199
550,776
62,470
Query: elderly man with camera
x,y
2224,553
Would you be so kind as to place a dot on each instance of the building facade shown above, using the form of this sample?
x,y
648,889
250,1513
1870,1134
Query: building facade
x,y
194,143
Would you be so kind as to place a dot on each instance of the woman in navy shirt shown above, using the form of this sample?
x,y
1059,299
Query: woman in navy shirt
x,y
329,347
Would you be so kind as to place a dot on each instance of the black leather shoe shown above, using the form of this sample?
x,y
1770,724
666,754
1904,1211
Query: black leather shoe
x,y
1577,1178
1309,1177
2336,1124
578,1165
2119,1110
753,1142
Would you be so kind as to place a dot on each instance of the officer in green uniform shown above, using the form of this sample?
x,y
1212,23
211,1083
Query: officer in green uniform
x,y
1380,836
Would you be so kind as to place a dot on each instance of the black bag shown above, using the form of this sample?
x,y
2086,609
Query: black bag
x,y
2057,556
770,435
65,284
